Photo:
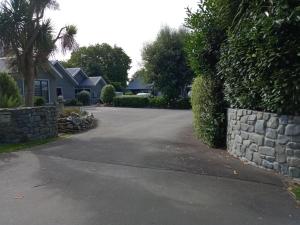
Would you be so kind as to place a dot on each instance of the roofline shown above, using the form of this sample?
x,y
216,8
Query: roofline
x,y
69,75
79,70
100,78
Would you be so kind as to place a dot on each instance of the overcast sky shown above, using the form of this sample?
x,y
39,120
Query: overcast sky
x,y
126,23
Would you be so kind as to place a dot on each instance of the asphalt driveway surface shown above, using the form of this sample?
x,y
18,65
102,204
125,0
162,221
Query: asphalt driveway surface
x,y
139,167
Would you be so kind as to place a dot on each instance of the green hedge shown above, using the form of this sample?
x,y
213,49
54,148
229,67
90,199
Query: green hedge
x,y
39,101
261,61
158,102
131,101
209,119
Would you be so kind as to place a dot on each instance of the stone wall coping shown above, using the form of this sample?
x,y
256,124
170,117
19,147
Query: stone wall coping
x,y
257,111
26,108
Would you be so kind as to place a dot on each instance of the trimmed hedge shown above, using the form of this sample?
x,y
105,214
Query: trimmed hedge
x,y
73,102
181,103
209,119
108,93
131,101
158,102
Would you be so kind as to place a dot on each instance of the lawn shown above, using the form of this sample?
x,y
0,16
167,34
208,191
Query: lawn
x,y
6,148
296,191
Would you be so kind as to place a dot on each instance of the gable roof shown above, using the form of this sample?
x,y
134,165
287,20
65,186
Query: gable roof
x,y
139,84
73,71
92,81
5,67
67,74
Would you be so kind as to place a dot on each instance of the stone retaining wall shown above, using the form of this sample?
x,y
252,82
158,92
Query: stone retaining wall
x,y
27,124
76,123
266,139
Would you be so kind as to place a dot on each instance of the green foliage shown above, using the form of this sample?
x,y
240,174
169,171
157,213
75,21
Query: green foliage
x,y
27,34
84,97
112,63
166,63
73,102
108,93
39,101
129,93
9,93
261,61
117,86
209,120
181,103
131,101
158,102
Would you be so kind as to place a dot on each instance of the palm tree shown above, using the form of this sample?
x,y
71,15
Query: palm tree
x,y
28,37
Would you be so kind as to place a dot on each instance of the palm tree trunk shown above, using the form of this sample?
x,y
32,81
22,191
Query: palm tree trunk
x,y
29,76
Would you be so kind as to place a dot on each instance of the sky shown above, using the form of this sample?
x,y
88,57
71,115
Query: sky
x,y
129,24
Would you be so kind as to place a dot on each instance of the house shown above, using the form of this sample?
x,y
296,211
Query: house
x,y
75,80
59,81
138,85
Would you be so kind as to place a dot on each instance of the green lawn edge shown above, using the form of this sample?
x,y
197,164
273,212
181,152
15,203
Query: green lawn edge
x,y
7,148
296,192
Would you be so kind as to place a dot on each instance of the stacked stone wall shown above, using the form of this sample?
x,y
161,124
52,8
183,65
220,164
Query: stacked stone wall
x,y
269,140
27,124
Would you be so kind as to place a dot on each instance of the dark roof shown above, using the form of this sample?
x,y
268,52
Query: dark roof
x,y
73,71
139,84
92,81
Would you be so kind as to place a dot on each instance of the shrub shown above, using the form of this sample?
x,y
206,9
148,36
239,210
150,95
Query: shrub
x,y
108,93
209,120
39,101
9,93
73,102
131,101
158,102
261,63
181,103
128,93
84,97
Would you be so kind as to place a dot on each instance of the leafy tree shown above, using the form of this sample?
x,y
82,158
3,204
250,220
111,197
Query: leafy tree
x,y
112,63
27,35
209,26
166,63
84,97
9,92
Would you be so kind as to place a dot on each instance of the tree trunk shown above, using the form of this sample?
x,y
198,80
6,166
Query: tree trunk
x,y
29,76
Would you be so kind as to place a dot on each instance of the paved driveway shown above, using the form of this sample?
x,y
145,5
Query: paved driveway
x,y
139,167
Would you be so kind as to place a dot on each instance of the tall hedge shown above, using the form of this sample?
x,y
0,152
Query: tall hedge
x,y
260,63
209,117
9,92
108,93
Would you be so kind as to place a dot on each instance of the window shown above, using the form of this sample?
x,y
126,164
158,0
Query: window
x,y
41,89
59,92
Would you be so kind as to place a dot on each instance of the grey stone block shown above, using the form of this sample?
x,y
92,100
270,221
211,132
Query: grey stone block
x,y
258,139
276,166
249,155
284,169
282,139
292,130
270,159
294,172
256,158
267,164
271,133
273,123
266,151
260,115
297,153
289,152
294,162
251,128
244,135
293,145
260,126
269,142
283,120
281,129
253,147
244,127
281,158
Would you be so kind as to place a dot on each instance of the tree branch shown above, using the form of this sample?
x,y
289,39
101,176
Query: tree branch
x,y
58,35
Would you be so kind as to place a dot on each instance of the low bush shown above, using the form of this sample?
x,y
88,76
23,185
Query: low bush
x,y
108,93
158,102
181,103
131,101
73,102
209,119
84,97
9,93
39,101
